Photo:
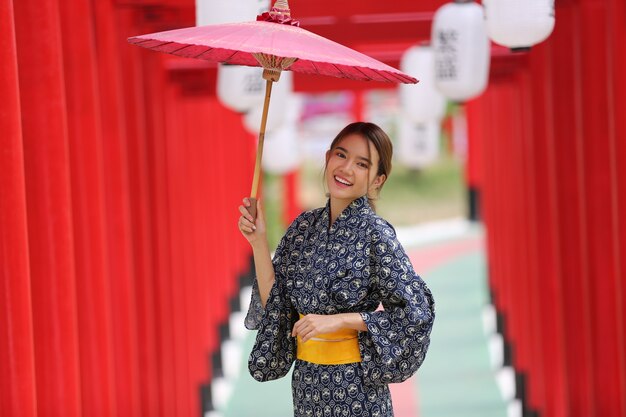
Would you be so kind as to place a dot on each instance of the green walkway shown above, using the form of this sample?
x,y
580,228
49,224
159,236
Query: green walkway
x,y
455,379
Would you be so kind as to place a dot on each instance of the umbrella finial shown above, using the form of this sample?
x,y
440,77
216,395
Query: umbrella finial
x,y
279,13
281,9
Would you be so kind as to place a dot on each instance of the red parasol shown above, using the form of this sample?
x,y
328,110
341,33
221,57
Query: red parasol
x,y
276,43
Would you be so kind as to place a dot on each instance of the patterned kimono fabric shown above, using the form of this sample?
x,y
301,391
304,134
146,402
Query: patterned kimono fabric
x,y
349,267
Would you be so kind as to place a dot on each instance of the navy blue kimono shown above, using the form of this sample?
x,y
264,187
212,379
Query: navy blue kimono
x,y
349,267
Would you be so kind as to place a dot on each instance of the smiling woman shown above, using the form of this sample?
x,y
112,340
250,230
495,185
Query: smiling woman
x,y
357,149
315,304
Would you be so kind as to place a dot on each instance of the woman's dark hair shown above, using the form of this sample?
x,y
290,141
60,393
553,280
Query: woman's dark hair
x,y
374,134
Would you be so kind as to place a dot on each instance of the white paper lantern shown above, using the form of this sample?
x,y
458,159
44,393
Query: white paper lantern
x,y
461,47
281,151
279,105
214,12
421,102
418,143
519,24
240,88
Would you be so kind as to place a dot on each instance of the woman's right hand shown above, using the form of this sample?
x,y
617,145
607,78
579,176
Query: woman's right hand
x,y
253,231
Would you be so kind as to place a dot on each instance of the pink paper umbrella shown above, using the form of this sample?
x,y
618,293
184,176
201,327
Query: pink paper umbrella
x,y
275,42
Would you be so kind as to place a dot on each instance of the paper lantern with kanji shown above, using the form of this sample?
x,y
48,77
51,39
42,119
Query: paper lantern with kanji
x,y
277,113
421,102
461,48
519,24
239,88
418,143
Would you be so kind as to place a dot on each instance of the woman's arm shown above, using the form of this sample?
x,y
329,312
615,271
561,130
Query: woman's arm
x,y
264,269
352,321
255,234
313,325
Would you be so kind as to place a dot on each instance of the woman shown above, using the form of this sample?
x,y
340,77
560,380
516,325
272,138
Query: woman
x,y
316,302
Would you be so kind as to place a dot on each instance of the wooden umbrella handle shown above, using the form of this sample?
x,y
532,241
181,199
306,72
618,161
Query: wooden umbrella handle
x,y
259,151
252,208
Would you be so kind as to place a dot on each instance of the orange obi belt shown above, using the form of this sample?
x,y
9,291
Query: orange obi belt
x,y
336,348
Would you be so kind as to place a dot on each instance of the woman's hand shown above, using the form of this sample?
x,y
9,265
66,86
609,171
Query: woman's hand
x,y
313,325
253,231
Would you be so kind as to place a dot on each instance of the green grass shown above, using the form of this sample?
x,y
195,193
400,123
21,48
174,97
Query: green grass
x,y
411,197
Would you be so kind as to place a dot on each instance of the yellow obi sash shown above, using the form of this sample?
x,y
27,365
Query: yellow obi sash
x,y
336,348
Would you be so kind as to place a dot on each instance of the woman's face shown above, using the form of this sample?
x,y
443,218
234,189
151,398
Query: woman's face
x,y
351,168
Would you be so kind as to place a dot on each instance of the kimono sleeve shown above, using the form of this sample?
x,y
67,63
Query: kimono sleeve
x,y
274,349
398,337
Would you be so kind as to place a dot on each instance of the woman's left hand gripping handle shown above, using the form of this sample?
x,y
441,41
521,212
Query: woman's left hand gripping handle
x,y
252,229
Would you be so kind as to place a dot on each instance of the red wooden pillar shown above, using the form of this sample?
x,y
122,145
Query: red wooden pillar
x,y
215,224
234,165
84,133
185,284
477,125
49,207
616,40
359,109
543,217
117,211
498,195
473,162
244,158
600,216
215,259
221,212
190,200
567,159
140,204
527,280
197,107
177,282
206,254
499,230
202,337
244,148
157,98
217,213
17,364
493,208
291,207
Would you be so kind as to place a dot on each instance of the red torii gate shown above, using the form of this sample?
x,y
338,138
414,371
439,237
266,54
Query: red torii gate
x,y
106,201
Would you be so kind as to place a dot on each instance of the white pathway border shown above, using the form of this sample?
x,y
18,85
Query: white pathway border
x,y
505,375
